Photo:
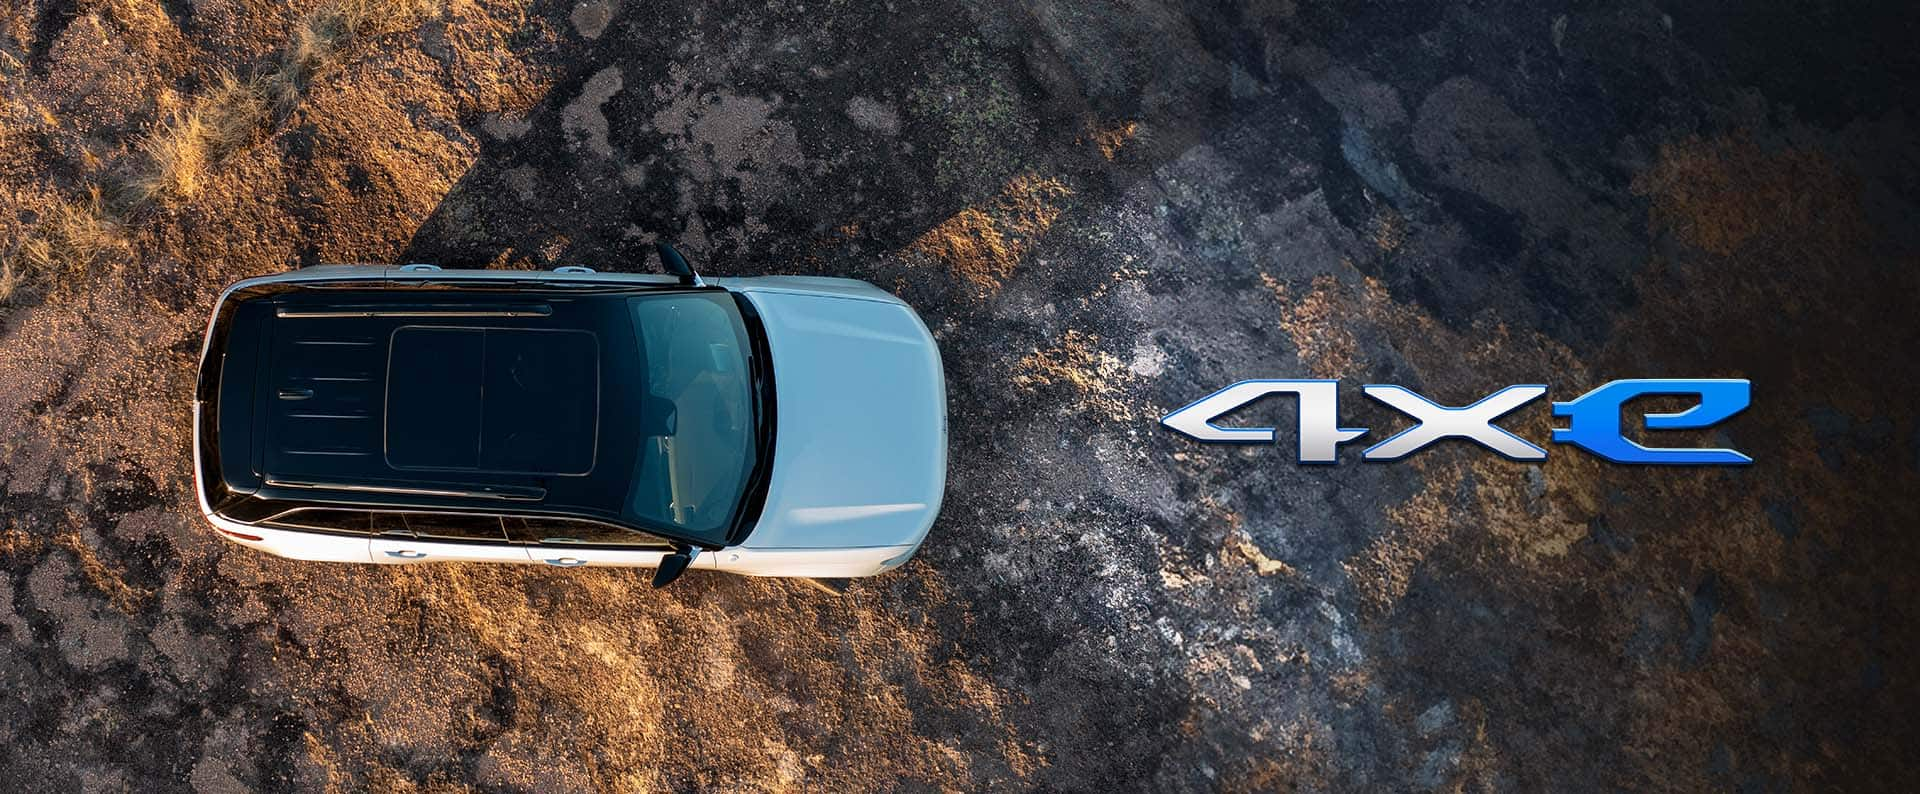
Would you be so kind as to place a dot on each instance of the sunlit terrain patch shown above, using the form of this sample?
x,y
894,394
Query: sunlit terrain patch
x,y
983,246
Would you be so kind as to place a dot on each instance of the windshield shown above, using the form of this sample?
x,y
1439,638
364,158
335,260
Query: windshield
x,y
696,419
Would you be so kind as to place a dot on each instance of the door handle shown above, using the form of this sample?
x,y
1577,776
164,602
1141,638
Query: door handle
x,y
407,554
567,562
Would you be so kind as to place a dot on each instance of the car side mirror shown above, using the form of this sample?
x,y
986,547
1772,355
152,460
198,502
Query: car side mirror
x,y
672,565
675,264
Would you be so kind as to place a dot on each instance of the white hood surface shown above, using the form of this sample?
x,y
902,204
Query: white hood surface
x,y
860,446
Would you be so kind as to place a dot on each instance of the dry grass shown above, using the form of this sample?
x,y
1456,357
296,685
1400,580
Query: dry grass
x,y
1241,544
216,124
1382,572
322,32
143,23
973,247
70,239
621,682
231,114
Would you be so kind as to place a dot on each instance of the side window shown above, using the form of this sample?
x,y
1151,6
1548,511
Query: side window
x,y
450,526
356,522
572,532
391,524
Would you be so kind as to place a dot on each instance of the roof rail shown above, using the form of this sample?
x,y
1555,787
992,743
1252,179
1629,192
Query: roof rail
x,y
390,310
516,493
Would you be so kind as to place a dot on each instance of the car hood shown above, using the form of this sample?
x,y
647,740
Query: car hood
x,y
860,444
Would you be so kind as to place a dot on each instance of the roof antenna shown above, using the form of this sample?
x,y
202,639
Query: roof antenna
x,y
672,262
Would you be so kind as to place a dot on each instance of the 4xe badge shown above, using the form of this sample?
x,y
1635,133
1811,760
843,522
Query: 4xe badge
x,y
1593,420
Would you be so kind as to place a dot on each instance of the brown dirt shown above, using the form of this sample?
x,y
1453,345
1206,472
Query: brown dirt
x,y
983,246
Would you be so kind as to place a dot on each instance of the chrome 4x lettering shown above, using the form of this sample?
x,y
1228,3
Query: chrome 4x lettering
x,y
1593,420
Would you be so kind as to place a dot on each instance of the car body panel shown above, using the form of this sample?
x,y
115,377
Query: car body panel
x,y
808,285
399,550
314,546
828,563
859,459
602,557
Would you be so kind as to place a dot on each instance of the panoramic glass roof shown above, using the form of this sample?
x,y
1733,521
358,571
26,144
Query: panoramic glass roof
x,y
507,400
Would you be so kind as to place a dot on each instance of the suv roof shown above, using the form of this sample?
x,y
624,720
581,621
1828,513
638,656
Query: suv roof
x,y
454,398
446,398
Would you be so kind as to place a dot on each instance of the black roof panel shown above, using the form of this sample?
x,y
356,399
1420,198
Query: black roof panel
x,y
322,397
398,390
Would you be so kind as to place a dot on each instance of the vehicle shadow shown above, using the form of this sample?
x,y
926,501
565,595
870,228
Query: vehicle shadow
x,y
765,141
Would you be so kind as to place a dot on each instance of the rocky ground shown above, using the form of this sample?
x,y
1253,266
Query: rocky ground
x,y
1105,211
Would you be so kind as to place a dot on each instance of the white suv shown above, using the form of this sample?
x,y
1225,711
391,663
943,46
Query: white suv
x,y
773,426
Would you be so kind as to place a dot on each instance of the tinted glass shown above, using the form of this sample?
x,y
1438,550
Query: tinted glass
x,y
391,524
434,397
348,521
697,446
447,526
567,532
493,399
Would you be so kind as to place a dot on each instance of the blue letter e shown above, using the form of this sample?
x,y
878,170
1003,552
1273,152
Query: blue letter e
x,y
1594,420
